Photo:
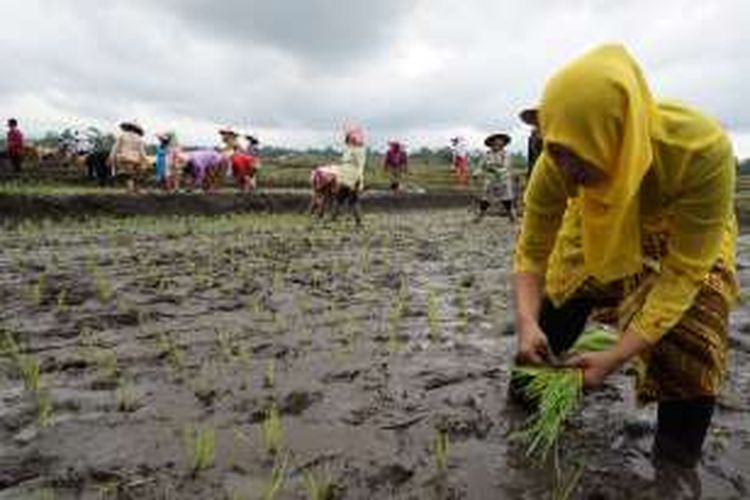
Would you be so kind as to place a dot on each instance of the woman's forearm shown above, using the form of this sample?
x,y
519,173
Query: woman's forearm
x,y
528,290
630,345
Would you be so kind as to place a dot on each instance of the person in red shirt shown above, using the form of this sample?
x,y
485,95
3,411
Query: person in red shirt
x,y
15,145
396,164
244,167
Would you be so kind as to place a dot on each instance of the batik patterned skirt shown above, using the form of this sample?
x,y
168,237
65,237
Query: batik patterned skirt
x,y
690,361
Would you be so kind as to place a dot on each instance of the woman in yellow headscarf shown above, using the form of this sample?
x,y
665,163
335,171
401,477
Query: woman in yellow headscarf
x,y
629,217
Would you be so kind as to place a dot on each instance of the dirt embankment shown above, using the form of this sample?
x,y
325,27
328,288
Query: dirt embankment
x,y
22,206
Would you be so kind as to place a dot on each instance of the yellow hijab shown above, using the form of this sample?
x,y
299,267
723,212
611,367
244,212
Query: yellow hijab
x,y
600,107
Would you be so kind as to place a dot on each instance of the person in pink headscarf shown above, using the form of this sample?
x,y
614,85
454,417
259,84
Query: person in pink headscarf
x,y
334,185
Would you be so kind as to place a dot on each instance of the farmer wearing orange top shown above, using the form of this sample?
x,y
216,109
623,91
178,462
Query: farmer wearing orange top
x,y
629,212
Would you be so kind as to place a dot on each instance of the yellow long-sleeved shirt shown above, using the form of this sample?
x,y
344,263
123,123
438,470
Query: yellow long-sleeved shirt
x,y
688,192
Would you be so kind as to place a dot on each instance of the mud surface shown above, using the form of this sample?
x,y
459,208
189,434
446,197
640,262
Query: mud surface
x,y
367,342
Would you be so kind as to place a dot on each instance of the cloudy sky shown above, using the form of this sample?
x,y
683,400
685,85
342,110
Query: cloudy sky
x,y
296,71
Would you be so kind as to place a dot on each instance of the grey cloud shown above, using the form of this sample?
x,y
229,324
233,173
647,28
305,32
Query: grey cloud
x,y
315,32
300,69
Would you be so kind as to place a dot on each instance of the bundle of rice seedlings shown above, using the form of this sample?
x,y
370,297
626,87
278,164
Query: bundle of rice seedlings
x,y
557,393
595,338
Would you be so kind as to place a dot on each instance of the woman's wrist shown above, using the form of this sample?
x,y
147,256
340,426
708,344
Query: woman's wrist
x,y
630,345
525,322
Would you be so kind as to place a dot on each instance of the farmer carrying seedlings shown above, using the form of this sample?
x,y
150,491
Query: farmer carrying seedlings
x,y
630,207
497,177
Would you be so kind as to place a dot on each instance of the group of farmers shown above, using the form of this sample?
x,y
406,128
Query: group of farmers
x,y
172,166
199,169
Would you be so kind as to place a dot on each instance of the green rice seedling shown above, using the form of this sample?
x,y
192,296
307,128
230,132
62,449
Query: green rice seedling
x,y
307,335
45,494
403,290
36,292
253,305
234,495
462,303
125,396
90,261
364,261
316,280
8,345
565,483
273,432
167,346
319,486
18,264
306,307
276,482
278,280
102,288
433,315
440,450
243,355
107,363
596,338
279,322
87,345
394,341
124,306
30,369
108,490
269,375
44,408
61,303
200,446
226,344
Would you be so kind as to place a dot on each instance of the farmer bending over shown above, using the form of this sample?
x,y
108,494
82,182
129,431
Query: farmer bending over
x,y
127,157
204,169
341,183
630,207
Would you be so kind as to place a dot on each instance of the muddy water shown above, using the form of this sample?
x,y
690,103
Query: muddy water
x,y
369,343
